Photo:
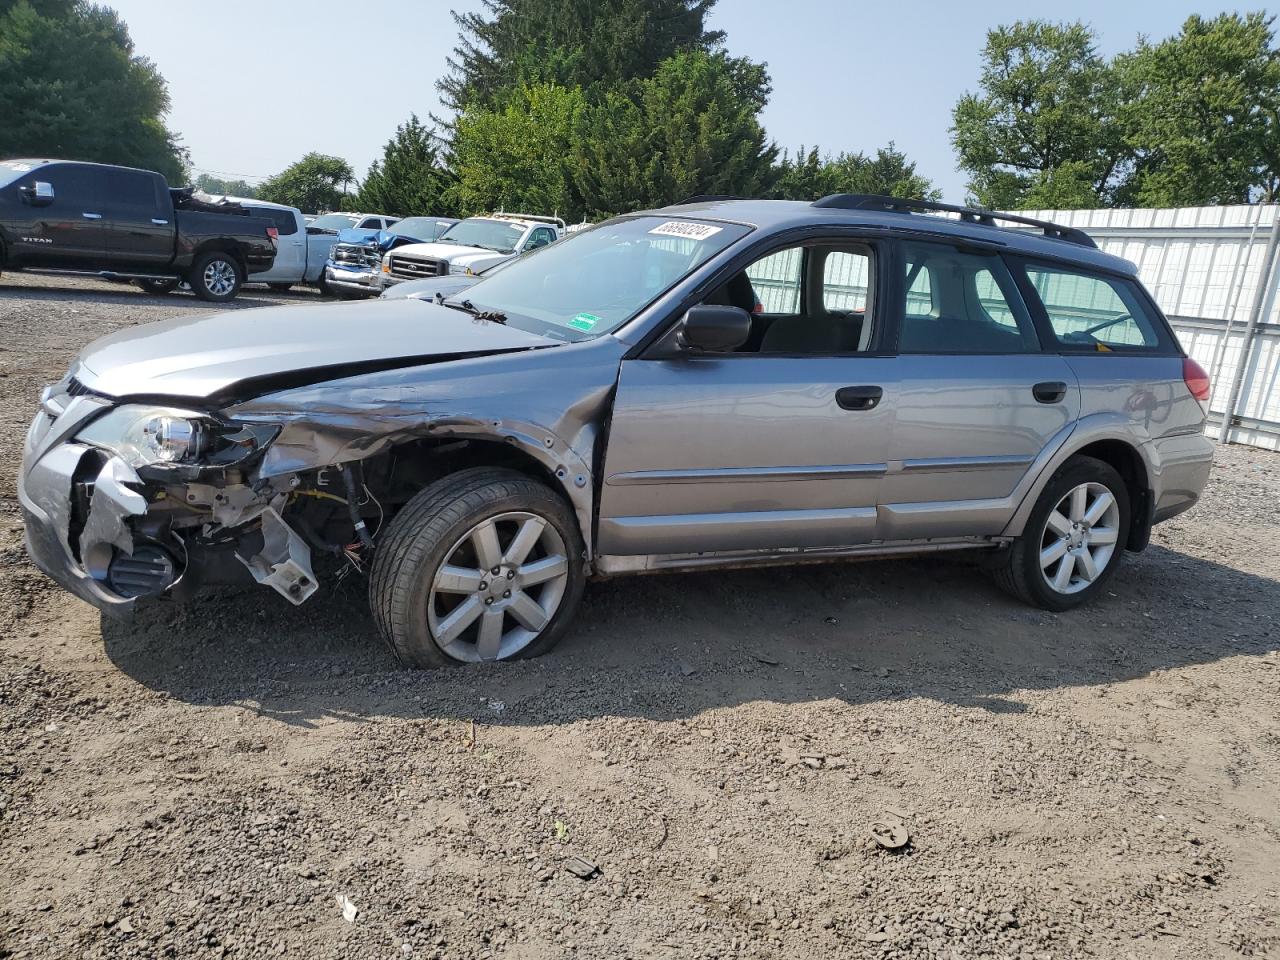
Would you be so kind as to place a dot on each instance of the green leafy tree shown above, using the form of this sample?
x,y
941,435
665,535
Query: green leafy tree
x,y
518,156
889,173
410,179
314,184
1202,113
73,87
1043,130
568,42
220,187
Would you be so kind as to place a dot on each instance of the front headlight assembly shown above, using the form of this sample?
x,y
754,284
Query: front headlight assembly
x,y
147,436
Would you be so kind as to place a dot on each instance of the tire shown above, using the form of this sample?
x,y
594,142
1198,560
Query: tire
x,y
1020,570
322,284
159,287
280,287
216,277
438,528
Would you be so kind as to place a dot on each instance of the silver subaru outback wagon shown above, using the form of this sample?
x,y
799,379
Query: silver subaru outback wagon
x,y
718,383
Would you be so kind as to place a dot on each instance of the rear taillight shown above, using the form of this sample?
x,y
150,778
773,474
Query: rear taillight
x,y
274,234
1196,379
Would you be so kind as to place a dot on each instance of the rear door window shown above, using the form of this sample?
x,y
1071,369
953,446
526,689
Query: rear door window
x,y
131,190
1093,313
285,222
959,301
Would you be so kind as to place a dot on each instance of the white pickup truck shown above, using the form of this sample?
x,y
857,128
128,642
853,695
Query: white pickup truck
x,y
472,245
304,245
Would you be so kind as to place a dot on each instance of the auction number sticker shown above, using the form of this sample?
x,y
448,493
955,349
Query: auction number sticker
x,y
686,229
584,321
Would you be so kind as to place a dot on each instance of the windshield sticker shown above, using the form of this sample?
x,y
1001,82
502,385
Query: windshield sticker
x,y
584,321
683,228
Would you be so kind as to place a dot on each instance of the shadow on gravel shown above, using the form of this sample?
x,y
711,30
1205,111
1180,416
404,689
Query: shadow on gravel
x,y
126,294
666,647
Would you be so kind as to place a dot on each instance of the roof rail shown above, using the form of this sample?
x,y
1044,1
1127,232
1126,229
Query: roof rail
x,y
987,218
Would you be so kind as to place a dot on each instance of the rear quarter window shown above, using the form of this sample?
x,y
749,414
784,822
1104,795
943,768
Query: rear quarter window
x,y
1095,313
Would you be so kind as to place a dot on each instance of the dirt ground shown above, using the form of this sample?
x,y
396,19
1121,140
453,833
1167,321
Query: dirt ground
x,y
209,781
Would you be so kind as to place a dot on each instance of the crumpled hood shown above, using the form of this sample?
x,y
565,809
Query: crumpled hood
x,y
355,235
252,351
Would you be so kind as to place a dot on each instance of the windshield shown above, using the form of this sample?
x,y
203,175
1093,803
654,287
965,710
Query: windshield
x,y
496,235
595,281
332,221
419,228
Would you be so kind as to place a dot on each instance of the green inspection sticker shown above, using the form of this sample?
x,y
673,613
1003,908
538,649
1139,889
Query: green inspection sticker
x,y
584,321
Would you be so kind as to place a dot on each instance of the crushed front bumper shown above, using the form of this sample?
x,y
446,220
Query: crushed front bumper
x,y
366,280
44,497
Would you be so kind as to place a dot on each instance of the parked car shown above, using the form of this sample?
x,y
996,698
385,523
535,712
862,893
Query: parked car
x,y
125,224
615,404
472,245
355,262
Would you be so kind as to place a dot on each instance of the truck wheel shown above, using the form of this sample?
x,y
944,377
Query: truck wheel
x,y
159,287
280,287
484,564
216,276
322,284
1073,540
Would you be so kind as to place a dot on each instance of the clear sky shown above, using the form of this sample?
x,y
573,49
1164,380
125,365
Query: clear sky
x,y
257,83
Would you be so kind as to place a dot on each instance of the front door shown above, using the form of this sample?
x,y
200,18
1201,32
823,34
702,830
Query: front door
x,y
69,232
980,406
781,444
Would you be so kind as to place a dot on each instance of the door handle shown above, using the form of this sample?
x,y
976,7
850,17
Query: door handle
x,y
92,216
859,398
1051,391
159,223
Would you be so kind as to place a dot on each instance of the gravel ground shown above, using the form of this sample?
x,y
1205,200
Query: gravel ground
x,y
210,781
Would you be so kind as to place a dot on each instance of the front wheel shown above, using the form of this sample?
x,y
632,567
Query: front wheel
x,y
485,564
1073,540
216,276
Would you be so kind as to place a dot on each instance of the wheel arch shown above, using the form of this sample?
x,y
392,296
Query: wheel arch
x,y
1114,444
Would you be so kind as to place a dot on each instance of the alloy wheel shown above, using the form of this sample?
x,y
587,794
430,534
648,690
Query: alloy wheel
x,y
498,587
219,277
1080,537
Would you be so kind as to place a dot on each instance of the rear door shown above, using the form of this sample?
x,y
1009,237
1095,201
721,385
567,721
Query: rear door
x,y
139,221
980,405
69,232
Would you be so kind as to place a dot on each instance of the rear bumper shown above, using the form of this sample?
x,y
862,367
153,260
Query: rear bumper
x,y
1185,462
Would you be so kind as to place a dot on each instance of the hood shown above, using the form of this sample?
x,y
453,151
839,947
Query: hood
x,y
249,352
453,252
357,236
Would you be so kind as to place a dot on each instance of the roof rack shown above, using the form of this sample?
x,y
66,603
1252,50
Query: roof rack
x,y
537,218
987,218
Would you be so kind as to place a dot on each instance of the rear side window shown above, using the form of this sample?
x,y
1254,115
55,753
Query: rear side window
x,y
1093,313
962,302
286,223
131,189
370,223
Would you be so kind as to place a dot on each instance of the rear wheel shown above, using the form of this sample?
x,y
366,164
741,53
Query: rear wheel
x,y
159,287
1073,540
485,564
216,276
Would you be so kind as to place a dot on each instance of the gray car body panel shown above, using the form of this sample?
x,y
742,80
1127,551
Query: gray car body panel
x,y
667,461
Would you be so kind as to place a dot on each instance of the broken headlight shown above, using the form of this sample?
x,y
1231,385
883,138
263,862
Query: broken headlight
x,y
145,436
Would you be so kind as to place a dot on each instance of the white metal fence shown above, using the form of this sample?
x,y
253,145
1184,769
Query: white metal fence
x,y
1213,272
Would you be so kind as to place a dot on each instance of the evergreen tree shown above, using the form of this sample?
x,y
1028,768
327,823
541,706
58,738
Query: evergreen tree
x,y
410,179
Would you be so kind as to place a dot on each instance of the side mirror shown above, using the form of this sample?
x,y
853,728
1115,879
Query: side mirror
x,y
713,328
38,193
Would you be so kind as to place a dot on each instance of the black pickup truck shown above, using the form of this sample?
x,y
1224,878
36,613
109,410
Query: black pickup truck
x,y
125,224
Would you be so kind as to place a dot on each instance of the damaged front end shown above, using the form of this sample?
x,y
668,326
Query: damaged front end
x,y
139,500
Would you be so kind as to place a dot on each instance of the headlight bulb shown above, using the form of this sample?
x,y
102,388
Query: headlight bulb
x,y
171,439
